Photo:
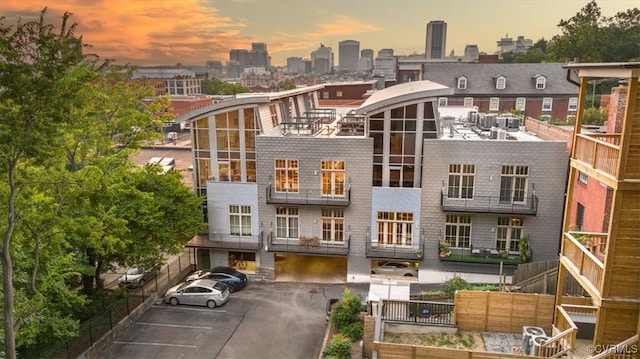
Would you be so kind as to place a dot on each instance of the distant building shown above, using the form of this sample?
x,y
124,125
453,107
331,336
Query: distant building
x,y
214,69
177,81
348,55
240,56
258,56
436,40
471,52
294,65
385,64
322,60
520,45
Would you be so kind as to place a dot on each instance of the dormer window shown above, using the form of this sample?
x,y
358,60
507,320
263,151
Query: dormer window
x,y
462,83
501,83
541,82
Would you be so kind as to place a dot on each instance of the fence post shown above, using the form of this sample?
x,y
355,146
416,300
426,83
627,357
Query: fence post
x,y
90,335
67,345
179,264
169,273
110,321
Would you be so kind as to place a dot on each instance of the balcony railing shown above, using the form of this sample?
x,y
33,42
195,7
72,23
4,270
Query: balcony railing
x,y
585,263
627,349
482,255
391,251
227,242
311,197
600,152
563,336
418,312
490,204
308,245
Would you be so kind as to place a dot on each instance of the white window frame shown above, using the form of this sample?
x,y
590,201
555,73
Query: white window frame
x,y
338,93
583,178
333,226
458,231
461,181
494,104
573,104
508,233
443,101
501,83
541,83
395,229
547,104
514,184
521,103
287,223
240,220
468,102
332,179
462,83
286,175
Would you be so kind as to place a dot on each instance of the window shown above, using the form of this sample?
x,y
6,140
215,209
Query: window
x,y
582,178
338,93
274,115
501,83
333,225
333,178
395,228
547,104
508,233
325,95
541,82
521,103
240,220
573,104
286,176
458,231
462,83
494,104
287,223
442,101
579,217
513,184
461,178
468,102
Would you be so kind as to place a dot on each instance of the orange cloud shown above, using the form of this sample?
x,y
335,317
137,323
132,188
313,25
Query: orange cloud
x,y
343,25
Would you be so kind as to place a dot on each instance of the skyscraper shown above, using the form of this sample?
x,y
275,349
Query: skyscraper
x,y
259,56
322,60
348,55
436,39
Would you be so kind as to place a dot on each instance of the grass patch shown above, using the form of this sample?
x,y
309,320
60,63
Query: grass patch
x,y
481,259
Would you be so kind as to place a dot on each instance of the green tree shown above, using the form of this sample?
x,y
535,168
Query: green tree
x,y
287,85
591,37
219,87
41,73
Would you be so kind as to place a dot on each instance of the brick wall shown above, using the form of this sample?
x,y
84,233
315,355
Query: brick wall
x,y
549,132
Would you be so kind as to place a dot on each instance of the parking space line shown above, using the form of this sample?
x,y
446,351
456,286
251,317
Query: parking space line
x,y
158,344
174,326
187,308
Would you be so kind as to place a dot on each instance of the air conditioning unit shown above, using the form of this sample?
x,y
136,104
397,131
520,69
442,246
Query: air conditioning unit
x,y
489,120
502,122
528,333
536,343
502,134
494,133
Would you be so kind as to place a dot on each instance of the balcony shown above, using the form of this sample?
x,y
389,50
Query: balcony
x,y
482,255
308,245
391,251
489,204
600,152
227,242
308,197
584,265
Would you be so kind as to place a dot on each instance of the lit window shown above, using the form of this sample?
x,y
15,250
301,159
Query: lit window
x,y
573,104
501,83
494,104
333,175
286,175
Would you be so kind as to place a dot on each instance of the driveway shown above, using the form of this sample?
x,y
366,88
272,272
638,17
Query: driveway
x,y
264,320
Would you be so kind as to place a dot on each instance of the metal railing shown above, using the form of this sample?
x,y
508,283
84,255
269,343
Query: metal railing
x,y
309,245
227,241
418,312
314,197
490,204
392,251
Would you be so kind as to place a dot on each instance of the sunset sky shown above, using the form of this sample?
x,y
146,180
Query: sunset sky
x,y
165,32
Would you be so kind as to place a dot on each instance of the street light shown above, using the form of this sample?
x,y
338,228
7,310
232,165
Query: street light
x,y
593,91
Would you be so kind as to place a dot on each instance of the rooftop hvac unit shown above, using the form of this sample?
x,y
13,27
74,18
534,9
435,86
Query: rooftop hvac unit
x,y
502,134
489,120
502,122
473,117
536,343
494,133
527,337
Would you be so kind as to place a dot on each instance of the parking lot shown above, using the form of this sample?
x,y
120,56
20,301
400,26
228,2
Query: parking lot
x,y
264,320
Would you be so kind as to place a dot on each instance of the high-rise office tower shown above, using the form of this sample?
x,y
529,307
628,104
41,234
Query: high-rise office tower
x,y
349,53
258,56
322,60
240,56
436,39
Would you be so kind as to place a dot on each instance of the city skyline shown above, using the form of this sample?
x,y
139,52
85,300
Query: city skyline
x,y
192,32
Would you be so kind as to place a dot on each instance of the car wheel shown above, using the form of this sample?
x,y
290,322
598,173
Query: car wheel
x,y
174,301
211,303
408,275
231,289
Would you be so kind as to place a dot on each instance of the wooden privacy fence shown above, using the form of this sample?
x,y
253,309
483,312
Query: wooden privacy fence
x,y
407,351
502,312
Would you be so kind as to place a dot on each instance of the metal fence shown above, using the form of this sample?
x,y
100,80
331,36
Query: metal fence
x,y
96,327
415,311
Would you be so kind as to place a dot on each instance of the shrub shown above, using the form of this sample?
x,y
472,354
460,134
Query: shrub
x,y
455,283
353,331
346,310
339,348
593,116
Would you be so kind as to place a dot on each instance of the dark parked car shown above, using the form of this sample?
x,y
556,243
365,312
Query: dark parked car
x,y
232,278
330,304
